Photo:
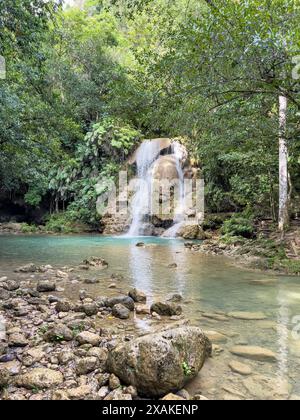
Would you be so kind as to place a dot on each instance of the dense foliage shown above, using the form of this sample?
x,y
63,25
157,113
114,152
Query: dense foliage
x,y
84,85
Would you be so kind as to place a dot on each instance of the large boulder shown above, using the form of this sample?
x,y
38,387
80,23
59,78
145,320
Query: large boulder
x,y
189,231
163,362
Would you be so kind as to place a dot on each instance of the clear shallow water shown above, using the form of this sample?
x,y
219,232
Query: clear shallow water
x,y
208,284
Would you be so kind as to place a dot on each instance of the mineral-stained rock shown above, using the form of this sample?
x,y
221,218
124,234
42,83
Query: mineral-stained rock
x,y
137,295
254,353
166,309
159,363
123,300
40,378
120,311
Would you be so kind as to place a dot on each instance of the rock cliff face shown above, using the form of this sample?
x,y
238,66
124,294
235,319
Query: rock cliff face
x,y
158,160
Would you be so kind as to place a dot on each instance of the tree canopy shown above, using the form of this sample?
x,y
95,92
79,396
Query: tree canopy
x,y
85,84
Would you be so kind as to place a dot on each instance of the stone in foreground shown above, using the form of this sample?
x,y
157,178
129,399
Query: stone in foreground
x,y
40,378
160,363
254,353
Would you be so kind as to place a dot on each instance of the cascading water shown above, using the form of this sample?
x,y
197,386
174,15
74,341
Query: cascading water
x,y
141,201
179,212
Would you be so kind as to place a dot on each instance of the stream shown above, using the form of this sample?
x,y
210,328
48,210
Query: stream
x,y
211,288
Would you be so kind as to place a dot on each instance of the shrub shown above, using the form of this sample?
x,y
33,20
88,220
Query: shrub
x,y
238,225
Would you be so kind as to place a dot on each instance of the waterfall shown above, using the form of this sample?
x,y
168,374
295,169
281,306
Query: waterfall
x,y
141,202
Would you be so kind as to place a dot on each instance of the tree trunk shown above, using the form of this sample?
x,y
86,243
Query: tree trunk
x,y
283,219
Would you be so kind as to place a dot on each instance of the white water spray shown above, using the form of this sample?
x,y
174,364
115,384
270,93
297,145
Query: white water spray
x,y
141,202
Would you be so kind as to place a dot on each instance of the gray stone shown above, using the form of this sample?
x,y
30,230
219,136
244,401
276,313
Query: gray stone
x,y
46,286
137,295
123,300
166,309
63,306
90,309
159,363
120,311
59,332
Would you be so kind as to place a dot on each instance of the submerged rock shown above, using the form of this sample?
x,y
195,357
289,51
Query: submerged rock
x,y
215,337
96,262
248,316
240,368
159,363
28,268
254,353
166,309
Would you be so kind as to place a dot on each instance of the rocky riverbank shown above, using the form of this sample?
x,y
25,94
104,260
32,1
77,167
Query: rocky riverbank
x,y
62,339
58,349
257,254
